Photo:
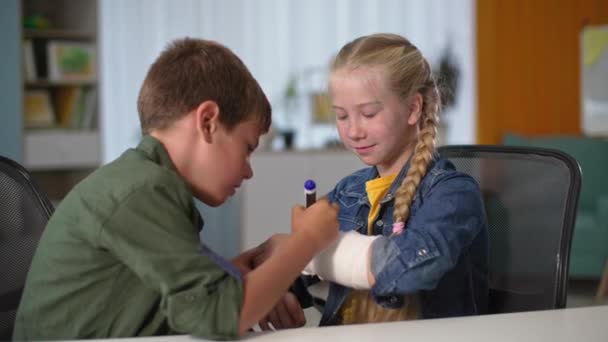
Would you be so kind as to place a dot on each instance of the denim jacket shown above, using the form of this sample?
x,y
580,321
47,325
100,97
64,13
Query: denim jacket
x,y
442,254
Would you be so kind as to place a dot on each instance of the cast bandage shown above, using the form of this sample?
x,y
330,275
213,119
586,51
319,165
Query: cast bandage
x,y
345,261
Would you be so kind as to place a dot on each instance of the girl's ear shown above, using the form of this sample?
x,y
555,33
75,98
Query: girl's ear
x,y
415,109
207,119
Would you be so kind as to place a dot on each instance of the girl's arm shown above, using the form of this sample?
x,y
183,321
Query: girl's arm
x,y
416,259
444,227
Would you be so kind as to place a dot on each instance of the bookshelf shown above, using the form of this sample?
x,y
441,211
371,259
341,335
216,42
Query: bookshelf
x,y
60,134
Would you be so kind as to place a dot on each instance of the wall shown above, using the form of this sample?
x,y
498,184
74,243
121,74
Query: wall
x,y
10,82
275,38
528,56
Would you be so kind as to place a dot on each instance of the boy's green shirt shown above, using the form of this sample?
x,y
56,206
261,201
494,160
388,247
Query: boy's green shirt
x,y
121,256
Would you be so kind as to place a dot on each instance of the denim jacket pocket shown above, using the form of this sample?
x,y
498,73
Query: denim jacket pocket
x,y
349,199
350,215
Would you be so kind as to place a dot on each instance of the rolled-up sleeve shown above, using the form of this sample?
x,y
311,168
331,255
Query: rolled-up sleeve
x,y
449,218
151,233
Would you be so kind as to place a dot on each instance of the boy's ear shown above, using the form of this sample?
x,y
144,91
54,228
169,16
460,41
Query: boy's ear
x,y
207,119
415,109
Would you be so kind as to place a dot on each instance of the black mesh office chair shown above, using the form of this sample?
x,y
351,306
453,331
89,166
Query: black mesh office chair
x,y
24,211
531,196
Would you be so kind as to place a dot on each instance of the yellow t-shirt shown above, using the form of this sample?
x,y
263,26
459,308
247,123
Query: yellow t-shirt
x,y
376,189
360,306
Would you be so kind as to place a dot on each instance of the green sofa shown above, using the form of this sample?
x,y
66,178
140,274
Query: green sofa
x,y
590,242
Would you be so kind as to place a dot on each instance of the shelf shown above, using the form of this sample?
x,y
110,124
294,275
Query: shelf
x,y
56,149
58,34
53,83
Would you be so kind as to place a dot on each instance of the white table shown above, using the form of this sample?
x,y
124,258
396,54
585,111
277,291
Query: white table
x,y
588,324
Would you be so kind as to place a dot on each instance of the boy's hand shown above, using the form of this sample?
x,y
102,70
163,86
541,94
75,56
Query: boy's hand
x,y
319,222
286,314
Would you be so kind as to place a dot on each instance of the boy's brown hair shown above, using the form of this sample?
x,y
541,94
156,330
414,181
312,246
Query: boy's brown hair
x,y
190,71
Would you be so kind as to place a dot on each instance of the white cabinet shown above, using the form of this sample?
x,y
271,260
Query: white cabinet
x,y
61,149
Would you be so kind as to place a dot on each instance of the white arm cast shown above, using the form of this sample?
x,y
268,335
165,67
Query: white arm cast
x,y
345,261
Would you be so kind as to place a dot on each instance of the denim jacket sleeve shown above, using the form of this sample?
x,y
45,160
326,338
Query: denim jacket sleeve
x,y
449,215
331,196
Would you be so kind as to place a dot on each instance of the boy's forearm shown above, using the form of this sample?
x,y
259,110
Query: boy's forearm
x,y
265,285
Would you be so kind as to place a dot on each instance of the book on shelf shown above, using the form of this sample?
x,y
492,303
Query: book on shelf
x,y
40,58
38,109
29,65
66,103
89,113
76,107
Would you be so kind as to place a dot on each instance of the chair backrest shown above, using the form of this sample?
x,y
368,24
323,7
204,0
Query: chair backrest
x,y
24,212
530,196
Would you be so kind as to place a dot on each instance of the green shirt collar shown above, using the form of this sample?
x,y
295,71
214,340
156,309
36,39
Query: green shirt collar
x,y
154,150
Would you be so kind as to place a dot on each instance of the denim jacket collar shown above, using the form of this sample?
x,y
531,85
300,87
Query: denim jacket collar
x,y
358,185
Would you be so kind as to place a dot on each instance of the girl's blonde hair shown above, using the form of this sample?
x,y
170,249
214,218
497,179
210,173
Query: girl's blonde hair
x,y
408,73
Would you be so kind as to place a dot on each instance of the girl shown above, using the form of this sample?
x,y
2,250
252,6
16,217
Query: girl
x,y
413,238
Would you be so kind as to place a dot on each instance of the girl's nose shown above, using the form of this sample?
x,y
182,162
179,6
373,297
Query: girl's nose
x,y
355,130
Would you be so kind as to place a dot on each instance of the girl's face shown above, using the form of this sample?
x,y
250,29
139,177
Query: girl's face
x,y
375,123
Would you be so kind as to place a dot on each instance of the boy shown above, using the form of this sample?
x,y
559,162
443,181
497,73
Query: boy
x,y
121,255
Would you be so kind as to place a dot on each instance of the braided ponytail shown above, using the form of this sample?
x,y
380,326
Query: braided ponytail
x,y
423,152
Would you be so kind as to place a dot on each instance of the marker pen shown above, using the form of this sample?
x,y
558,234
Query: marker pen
x,y
310,190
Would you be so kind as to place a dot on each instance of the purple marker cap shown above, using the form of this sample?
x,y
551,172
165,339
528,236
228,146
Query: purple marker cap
x,y
310,185
310,190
